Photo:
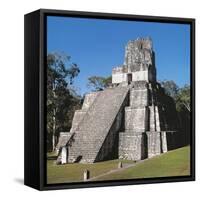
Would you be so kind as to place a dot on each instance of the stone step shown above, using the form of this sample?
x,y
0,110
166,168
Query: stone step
x,y
95,126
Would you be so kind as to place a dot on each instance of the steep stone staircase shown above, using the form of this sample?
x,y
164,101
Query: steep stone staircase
x,y
93,129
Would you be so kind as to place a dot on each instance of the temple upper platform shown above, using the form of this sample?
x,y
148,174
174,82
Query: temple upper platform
x,y
139,63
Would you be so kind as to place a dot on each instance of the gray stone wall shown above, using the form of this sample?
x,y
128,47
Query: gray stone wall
x,y
135,119
153,144
132,142
132,145
139,62
146,132
164,142
138,51
139,98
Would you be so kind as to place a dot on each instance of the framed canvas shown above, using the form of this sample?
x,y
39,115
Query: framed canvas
x,y
109,99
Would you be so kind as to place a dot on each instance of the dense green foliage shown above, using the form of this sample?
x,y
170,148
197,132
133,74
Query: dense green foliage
x,y
183,98
180,95
171,88
62,99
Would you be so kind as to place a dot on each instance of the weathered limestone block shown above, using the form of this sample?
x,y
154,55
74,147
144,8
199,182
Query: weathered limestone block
x,y
63,139
63,155
138,51
140,75
89,99
138,98
61,147
139,64
160,142
164,142
157,119
78,117
120,165
152,124
79,114
119,74
161,119
119,78
132,145
136,119
86,175
153,144
120,69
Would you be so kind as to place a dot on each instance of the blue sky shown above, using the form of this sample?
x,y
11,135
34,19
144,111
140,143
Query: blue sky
x,y
98,45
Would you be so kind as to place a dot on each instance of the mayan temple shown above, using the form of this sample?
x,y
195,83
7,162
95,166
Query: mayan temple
x,y
132,119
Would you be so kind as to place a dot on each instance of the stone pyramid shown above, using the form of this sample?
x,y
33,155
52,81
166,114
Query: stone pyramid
x,y
133,119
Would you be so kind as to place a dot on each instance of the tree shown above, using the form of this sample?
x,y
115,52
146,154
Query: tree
x,y
60,75
171,89
99,83
183,98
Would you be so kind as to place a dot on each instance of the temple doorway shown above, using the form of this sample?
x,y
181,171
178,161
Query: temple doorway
x,y
129,78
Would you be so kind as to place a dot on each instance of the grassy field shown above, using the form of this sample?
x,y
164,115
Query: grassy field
x,y
173,163
74,172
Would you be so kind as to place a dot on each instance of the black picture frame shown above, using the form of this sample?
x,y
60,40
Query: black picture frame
x,y
35,43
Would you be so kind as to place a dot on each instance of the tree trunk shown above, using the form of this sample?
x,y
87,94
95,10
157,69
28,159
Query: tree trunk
x,y
54,130
187,106
54,121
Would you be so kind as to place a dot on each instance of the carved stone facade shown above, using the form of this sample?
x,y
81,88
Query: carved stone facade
x,y
132,120
139,64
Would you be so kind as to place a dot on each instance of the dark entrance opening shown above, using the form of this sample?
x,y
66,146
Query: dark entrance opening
x,y
129,77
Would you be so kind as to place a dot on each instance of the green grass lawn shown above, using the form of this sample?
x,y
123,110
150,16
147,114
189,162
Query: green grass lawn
x,y
173,163
73,172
